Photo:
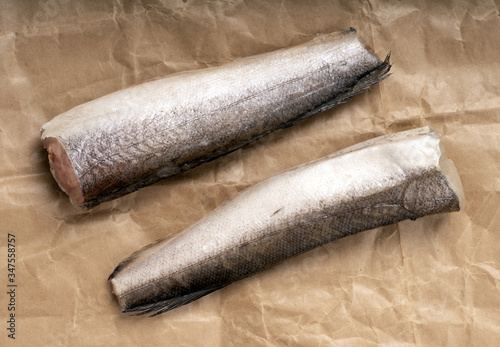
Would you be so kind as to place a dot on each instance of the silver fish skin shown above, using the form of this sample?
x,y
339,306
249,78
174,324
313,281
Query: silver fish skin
x,y
116,144
382,181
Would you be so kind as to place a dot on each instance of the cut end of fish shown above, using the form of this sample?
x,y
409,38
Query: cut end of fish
x,y
62,170
450,172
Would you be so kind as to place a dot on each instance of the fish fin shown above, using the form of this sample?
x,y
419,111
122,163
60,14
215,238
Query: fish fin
x,y
371,78
169,304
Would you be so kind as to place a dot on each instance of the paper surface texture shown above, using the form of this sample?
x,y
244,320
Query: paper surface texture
x,y
430,282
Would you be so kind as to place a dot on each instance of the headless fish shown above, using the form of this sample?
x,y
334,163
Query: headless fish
x,y
381,181
114,145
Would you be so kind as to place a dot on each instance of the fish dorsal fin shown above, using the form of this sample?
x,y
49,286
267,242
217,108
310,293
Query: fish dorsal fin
x,y
169,304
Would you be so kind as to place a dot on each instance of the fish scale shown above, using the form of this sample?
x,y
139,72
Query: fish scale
x,y
114,145
378,182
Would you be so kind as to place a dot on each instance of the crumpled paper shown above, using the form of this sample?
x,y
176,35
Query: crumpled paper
x,y
433,281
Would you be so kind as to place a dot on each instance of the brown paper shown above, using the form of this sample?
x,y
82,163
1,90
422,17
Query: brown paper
x,y
434,281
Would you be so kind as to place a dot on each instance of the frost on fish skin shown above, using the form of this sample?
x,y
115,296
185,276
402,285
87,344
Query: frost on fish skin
x,y
375,183
137,136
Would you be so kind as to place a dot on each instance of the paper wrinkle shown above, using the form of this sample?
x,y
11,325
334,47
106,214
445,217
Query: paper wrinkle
x,y
405,278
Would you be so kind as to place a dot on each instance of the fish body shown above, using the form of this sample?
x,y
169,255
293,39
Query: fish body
x,y
377,182
116,144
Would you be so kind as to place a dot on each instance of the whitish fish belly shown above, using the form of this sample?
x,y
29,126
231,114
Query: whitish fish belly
x,y
121,142
378,182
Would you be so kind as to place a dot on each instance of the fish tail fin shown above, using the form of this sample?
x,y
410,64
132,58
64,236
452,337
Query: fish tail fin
x,y
378,74
169,304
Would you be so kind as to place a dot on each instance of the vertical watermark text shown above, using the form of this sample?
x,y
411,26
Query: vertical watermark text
x,y
11,285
